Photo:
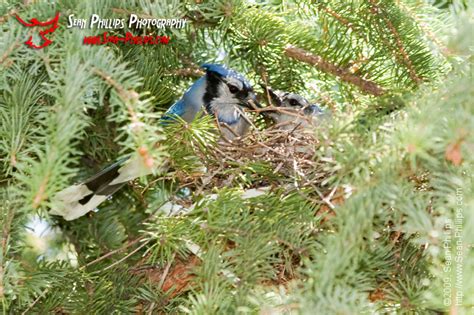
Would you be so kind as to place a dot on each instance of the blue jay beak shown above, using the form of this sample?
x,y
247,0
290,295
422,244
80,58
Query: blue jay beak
x,y
251,101
315,110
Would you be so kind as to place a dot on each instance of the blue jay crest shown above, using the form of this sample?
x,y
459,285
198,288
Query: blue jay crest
x,y
224,72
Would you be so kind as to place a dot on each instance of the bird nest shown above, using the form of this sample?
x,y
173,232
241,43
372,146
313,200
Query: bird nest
x,y
267,157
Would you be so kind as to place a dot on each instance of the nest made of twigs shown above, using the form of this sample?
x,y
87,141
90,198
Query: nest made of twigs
x,y
288,156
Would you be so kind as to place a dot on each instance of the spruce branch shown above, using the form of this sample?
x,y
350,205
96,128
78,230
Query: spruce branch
x,y
427,30
127,96
350,246
400,52
128,244
115,251
126,257
6,222
345,75
30,306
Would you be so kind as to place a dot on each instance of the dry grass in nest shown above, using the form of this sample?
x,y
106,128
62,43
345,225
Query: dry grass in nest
x,y
288,156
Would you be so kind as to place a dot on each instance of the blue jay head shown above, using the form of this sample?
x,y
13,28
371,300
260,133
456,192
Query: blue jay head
x,y
226,88
293,103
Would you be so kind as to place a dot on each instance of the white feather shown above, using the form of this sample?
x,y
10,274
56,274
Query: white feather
x,y
132,169
68,205
73,210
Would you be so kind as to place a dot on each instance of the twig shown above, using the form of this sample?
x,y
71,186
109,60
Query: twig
x,y
345,75
338,17
227,127
126,257
240,111
284,110
35,301
188,72
167,269
10,49
128,96
113,252
5,17
152,306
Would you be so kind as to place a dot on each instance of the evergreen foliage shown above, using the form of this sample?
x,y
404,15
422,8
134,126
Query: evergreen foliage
x,y
380,221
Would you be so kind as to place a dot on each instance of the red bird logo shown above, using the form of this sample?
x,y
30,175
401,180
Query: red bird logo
x,y
34,22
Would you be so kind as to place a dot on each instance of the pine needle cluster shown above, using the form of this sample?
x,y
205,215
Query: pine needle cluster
x,y
370,213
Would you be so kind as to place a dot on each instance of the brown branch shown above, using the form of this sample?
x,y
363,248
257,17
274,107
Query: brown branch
x,y
40,194
368,87
338,17
188,72
375,10
10,49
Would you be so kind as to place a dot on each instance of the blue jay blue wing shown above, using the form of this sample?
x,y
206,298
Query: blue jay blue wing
x,y
178,109
183,109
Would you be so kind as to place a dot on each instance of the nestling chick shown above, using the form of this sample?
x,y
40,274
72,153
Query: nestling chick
x,y
292,110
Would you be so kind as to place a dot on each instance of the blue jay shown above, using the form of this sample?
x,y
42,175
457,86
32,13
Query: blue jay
x,y
293,110
221,92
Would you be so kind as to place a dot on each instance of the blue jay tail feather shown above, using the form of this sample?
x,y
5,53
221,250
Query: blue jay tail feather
x,y
77,200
